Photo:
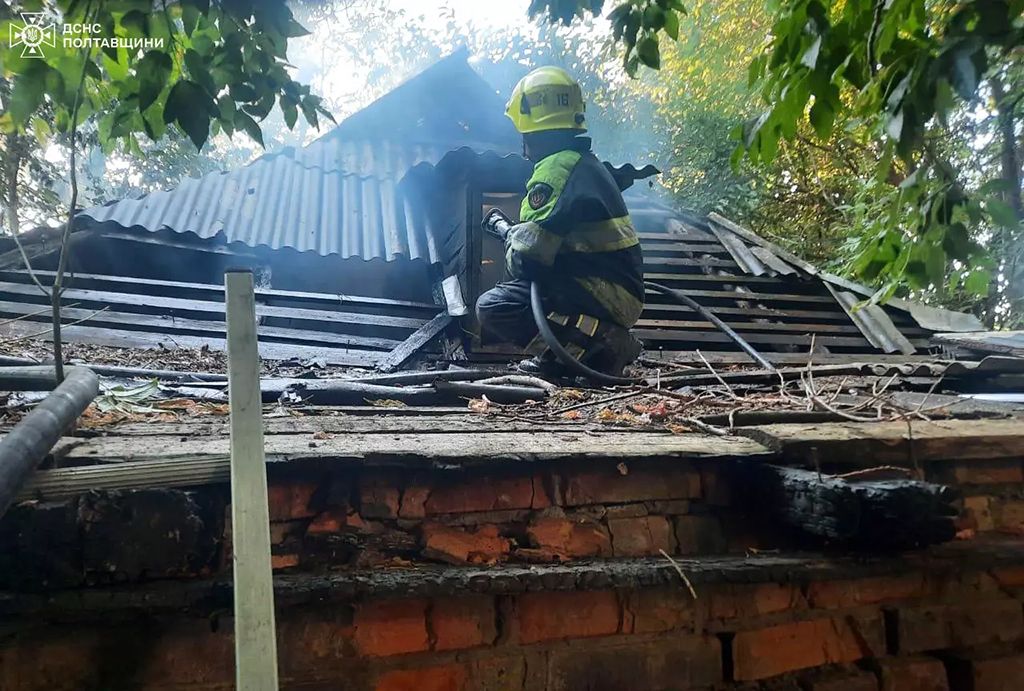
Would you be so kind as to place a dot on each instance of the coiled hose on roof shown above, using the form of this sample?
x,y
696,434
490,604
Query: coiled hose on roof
x,y
563,355
500,226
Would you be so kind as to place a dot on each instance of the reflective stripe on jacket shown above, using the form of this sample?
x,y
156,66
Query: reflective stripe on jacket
x,y
575,235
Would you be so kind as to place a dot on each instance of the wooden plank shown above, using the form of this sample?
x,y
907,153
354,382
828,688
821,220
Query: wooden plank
x,y
454,423
655,259
141,339
149,462
716,336
745,327
1004,342
660,277
205,309
893,443
759,297
655,237
216,293
165,324
422,449
754,312
417,340
255,629
689,248
688,357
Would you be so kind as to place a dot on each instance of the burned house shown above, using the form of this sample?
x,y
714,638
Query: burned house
x,y
847,520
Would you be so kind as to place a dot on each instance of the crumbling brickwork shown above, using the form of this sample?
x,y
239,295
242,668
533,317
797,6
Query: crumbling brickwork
x,y
566,587
908,633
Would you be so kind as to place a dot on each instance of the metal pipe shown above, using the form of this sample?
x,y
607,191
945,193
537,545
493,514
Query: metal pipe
x,y
25,446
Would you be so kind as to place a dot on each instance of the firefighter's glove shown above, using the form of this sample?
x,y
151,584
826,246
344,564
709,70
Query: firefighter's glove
x,y
497,223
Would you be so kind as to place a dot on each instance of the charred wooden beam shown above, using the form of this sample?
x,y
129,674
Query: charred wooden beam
x,y
879,515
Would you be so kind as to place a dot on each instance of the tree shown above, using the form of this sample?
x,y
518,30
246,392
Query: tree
x,y
904,78
131,68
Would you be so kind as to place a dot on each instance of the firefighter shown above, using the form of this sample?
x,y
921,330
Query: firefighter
x,y
574,238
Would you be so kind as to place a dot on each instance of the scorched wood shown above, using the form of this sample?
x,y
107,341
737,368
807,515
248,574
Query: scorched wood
x,y
873,515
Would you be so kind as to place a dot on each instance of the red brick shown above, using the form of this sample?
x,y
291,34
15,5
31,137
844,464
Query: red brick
x,y
481,494
865,591
684,662
442,678
334,521
1009,577
745,601
654,611
283,561
283,530
1009,516
982,472
611,487
501,673
700,535
799,645
937,627
483,546
986,673
570,537
554,615
414,500
844,680
978,513
912,674
378,498
716,489
289,501
640,537
391,627
542,487
464,622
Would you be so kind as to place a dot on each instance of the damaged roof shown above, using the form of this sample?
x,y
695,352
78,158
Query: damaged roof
x,y
343,194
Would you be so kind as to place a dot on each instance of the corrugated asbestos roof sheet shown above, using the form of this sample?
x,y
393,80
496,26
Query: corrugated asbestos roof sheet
x,y
344,193
343,198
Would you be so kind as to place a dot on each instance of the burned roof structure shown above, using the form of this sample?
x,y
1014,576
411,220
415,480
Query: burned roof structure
x,y
848,519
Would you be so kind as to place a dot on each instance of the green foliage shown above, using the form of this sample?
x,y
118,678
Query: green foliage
x,y
900,98
191,63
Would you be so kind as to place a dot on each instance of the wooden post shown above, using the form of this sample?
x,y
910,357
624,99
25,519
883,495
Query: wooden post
x,y
255,630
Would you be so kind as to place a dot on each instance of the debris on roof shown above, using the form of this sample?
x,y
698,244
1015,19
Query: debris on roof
x,y
1005,342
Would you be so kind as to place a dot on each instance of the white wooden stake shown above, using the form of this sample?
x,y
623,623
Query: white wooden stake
x,y
255,630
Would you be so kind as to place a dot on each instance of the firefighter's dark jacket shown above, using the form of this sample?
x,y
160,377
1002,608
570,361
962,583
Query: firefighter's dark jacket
x,y
575,236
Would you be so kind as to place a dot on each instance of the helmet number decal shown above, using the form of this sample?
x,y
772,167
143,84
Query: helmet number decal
x,y
563,99
539,195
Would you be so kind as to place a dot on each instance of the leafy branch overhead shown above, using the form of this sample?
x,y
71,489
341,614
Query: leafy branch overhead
x,y
635,23
891,75
199,65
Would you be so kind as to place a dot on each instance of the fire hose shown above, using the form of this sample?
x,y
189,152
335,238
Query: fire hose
x,y
498,225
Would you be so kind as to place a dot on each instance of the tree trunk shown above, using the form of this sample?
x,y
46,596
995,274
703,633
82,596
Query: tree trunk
x,y
11,200
1010,164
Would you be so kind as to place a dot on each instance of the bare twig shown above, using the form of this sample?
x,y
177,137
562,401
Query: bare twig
x,y
62,263
867,472
46,331
716,375
28,316
28,265
598,401
682,574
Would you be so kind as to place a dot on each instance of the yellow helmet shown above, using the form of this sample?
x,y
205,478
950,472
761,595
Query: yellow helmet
x,y
547,99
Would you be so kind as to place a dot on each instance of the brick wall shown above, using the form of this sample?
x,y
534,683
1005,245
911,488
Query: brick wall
x,y
913,632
